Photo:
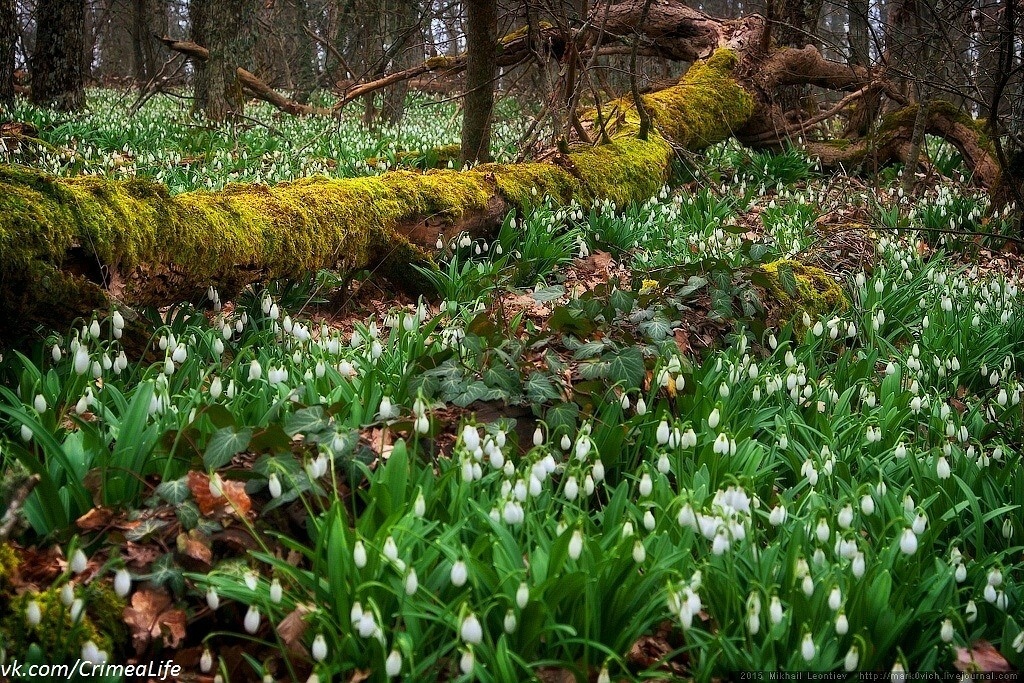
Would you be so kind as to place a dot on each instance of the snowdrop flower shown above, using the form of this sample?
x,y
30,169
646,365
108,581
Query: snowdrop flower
x,y
467,662
274,485
970,612
276,591
639,552
79,562
255,371
908,542
576,544
1018,643
919,524
835,598
807,649
212,599
510,622
122,582
367,626
777,515
775,613
566,444
845,517
522,595
359,555
646,485
842,624
459,574
393,664
206,661
319,649
252,620
714,418
641,406
858,565
852,658
946,631
471,632
867,505
251,580
412,582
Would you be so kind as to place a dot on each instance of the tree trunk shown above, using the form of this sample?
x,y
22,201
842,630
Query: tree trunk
x,y
224,27
859,39
481,70
70,244
8,42
58,69
303,57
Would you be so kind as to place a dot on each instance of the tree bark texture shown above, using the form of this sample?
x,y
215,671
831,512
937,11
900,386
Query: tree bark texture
x,y
58,64
68,245
481,70
224,27
8,38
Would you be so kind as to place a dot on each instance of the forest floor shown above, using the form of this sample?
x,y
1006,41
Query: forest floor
x,y
767,420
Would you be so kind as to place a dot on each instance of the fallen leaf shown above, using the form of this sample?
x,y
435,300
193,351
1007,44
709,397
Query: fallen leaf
x,y
152,615
232,498
293,627
195,545
982,657
95,519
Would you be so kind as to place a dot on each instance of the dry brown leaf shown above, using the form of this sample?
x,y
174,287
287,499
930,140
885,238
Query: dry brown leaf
x,y
233,498
982,657
195,545
152,615
293,627
95,519
360,675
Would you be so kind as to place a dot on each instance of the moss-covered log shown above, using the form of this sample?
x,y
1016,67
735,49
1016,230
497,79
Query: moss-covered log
x,y
69,244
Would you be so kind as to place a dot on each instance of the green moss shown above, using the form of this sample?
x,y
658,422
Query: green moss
x,y
438,157
56,635
439,62
521,32
905,118
9,563
816,292
707,105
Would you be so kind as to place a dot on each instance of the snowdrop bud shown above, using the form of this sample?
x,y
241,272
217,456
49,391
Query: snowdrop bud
x,y
639,552
646,485
835,598
393,665
79,562
662,433
946,631
359,554
470,437
255,371
842,624
206,661
858,566
565,443
366,626
522,595
471,632
970,612
459,574
852,658
412,582
845,517
122,582
467,662
714,418
319,649
822,531
252,620
775,610
641,406
807,649
576,544
960,573
538,436
908,542
212,599
649,521
867,505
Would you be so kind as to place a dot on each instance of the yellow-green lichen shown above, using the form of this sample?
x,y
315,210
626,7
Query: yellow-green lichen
x,y
816,292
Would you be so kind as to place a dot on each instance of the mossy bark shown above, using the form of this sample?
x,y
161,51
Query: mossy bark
x,y
67,244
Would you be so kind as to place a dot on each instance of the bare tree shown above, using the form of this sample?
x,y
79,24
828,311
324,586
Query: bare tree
x,y
8,43
481,70
58,64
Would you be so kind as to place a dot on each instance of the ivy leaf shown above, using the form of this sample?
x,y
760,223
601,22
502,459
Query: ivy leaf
x,y
305,421
626,367
540,388
224,445
174,492
787,279
657,328
545,294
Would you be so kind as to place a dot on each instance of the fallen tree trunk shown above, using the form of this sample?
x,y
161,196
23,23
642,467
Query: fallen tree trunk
x,y
70,245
